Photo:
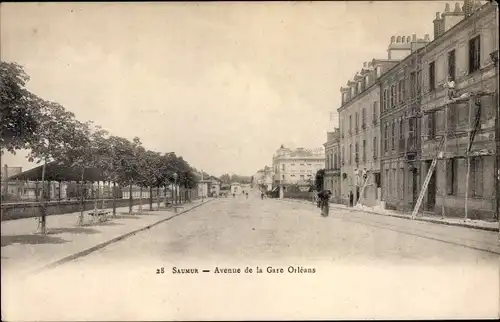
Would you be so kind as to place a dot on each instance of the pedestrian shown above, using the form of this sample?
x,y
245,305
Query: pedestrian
x,y
324,198
246,195
234,195
351,198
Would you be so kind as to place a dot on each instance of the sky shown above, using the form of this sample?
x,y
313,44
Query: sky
x,y
222,84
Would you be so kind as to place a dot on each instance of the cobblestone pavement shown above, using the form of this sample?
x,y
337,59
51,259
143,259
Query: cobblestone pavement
x,y
365,266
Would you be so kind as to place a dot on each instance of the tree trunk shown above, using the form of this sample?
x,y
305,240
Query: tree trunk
x,y
96,196
130,200
43,226
165,196
140,199
82,198
150,198
158,196
114,198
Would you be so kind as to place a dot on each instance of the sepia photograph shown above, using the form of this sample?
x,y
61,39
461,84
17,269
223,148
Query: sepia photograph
x,y
249,160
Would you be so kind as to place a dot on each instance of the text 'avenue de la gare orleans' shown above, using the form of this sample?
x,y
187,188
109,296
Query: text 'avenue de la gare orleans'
x,y
247,270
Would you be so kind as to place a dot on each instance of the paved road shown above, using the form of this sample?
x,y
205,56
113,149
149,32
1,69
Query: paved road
x,y
364,266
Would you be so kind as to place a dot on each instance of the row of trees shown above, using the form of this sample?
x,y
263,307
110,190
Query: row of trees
x,y
226,178
53,134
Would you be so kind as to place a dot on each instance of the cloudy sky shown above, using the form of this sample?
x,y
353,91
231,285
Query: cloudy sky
x,y
222,84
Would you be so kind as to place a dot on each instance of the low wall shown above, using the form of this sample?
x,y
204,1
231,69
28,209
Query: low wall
x,y
298,195
32,209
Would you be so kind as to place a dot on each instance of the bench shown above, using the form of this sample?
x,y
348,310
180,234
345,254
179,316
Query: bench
x,y
101,215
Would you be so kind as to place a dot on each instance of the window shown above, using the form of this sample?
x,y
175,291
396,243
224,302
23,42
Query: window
x,y
375,112
419,82
375,147
283,177
413,84
451,176
301,177
363,117
356,155
384,101
343,154
451,64
364,150
432,76
476,183
386,136
356,122
283,167
401,91
350,123
393,96
431,125
411,133
474,54
393,133
401,128
328,162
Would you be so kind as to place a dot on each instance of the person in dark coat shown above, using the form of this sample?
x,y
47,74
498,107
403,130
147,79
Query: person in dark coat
x,y
351,198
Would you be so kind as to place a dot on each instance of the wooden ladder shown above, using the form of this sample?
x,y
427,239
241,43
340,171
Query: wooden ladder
x,y
427,180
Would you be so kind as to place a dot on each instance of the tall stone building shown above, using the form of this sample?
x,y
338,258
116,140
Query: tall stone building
x,y
465,39
400,131
359,131
331,180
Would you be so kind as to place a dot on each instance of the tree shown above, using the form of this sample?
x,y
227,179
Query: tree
x,y
60,137
225,178
19,108
319,179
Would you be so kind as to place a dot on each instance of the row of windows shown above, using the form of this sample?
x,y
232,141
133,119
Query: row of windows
x,y
362,123
474,62
397,94
393,181
354,156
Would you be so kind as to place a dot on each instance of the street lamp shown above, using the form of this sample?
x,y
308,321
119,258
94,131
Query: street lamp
x,y
175,187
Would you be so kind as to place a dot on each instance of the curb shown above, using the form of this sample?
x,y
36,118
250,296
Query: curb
x,y
92,249
434,221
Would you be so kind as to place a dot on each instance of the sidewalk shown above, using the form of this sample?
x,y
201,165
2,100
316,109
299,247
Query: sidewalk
x,y
476,224
24,251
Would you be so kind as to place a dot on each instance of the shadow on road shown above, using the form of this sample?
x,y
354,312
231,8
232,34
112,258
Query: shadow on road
x,y
73,230
31,240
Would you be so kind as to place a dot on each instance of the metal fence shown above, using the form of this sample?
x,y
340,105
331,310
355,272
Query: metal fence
x,y
16,191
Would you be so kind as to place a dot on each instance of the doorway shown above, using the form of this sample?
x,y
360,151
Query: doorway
x,y
431,188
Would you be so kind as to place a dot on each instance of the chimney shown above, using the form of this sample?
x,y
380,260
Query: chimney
x,y
450,19
438,26
468,7
447,7
427,37
414,37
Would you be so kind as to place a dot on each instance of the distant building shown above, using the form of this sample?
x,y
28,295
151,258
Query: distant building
x,y
263,179
298,166
236,188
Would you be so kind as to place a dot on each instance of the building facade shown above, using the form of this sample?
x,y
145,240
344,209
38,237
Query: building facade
x,y
400,130
297,167
332,177
359,133
263,179
465,39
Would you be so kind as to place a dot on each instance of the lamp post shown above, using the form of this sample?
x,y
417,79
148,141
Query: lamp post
x,y
174,198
